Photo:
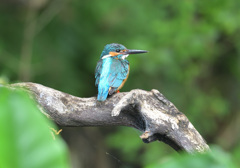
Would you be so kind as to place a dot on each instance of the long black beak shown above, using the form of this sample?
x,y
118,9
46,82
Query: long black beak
x,y
135,51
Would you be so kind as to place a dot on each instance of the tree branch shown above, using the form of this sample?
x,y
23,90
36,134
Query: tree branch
x,y
147,111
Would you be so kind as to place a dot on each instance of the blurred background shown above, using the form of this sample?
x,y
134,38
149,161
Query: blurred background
x,y
193,59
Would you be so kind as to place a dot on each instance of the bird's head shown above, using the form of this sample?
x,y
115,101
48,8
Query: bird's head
x,y
118,51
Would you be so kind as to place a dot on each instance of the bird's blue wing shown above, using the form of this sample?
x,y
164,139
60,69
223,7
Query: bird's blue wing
x,y
111,78
98,71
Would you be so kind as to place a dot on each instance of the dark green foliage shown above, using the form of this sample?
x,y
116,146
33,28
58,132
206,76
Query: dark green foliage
x,y
216,158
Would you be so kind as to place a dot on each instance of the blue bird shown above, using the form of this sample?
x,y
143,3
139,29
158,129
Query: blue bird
x,y
112,69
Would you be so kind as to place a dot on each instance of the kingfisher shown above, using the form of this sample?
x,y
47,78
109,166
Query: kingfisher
x,y
112,69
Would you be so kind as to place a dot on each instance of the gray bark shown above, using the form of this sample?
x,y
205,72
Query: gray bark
x,y
148,111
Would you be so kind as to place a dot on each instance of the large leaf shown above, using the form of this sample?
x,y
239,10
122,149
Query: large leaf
x,y
25,137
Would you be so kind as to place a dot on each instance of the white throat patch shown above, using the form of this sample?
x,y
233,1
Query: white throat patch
x,y
105,56
125,56
109,55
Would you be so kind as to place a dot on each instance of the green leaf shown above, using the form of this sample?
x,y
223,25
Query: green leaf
x,y
217,158
26,140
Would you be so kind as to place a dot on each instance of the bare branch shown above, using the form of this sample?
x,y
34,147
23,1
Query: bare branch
x,y
147,111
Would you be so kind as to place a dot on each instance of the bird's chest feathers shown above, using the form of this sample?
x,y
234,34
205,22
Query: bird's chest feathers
x,y
113,66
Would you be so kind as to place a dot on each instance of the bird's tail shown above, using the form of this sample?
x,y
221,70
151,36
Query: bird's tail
x,y
102,93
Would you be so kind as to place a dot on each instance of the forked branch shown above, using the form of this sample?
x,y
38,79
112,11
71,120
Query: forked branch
x,y
147,111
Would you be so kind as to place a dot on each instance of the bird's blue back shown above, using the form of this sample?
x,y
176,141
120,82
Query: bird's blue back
x,y
110,72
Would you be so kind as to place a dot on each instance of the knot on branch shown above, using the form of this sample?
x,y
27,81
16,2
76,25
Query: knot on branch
x,y
160,116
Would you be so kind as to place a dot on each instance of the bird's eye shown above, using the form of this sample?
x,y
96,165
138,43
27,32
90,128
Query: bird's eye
x,y
117,50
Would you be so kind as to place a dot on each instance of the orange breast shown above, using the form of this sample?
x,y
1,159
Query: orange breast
x,y
124,80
